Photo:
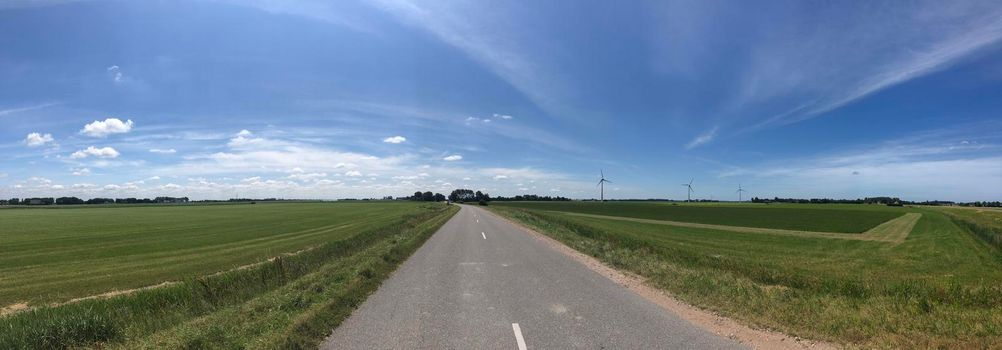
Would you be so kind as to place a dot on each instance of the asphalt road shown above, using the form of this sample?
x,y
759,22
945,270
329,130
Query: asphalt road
x,y
482,283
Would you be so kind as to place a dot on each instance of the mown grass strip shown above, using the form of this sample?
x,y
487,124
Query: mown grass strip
x,y
105,322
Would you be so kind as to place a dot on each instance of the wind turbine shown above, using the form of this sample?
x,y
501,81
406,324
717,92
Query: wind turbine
x,y
688,186
740,190
601,184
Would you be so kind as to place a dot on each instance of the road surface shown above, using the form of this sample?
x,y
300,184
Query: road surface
x,y
482,283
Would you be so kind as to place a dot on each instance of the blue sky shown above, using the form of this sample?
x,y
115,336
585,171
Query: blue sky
x,y
319,99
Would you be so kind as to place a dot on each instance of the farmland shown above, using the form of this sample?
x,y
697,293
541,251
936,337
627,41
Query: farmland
x,y
828,218
220,262
939,285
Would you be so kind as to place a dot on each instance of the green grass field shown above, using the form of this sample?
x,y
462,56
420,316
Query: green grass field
x,y
939,287
822,218
342,253
53,255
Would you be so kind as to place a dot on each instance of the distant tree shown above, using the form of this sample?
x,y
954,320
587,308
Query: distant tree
x,y
69,201
15,201
439,197
461,195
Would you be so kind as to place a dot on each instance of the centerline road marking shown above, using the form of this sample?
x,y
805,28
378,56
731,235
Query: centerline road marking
x,y
518,336
484,234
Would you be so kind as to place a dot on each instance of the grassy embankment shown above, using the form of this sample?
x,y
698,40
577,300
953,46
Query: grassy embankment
x,y
984,222
344,252
939,287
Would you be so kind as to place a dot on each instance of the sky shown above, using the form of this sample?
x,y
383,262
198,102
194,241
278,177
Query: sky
x,y
353,99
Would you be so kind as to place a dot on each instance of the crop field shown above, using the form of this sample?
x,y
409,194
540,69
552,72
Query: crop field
x,y
219,262
822,218
939,285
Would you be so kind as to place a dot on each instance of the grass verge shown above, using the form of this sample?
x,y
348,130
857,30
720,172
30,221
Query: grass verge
x,y
939,288
298,299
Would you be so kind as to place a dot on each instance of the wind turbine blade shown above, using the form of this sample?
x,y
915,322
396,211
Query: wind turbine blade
x,y
690,181
608,181
600,171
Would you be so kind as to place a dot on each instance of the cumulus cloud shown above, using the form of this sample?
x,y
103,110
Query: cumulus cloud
x,y
453,158
503,116
104,152
395,139
163,151
116,74
36,139
81,172
107,127
500,177
353,173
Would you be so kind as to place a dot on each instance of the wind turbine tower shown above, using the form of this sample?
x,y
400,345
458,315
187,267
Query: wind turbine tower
x,y
688,186
740,190
601,185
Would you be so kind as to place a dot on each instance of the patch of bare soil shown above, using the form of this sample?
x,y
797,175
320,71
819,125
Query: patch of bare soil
x,y
720,325
13,308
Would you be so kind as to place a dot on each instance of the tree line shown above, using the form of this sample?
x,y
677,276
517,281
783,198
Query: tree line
x,y
532,197
427,196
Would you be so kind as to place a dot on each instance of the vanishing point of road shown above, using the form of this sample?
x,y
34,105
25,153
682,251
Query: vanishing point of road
x,y
483,283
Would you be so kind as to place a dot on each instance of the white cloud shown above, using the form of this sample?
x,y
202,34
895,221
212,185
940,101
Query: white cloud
x,y
353,173
244,132
307,176
703,138
116,74
923,166
4,112
503,116
163,151
500,177
104,152
842,58
487,40
36,139
107,127
81,172
453,158
395,139
154,178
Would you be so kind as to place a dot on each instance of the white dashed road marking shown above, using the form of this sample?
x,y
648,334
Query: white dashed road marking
x,y
484,234
518,336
